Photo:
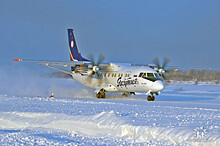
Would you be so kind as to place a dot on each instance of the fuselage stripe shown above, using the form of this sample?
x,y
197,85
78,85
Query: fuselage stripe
x,y
71,56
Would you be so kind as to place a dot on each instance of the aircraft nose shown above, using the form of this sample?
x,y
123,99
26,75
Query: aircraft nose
x,y
159,85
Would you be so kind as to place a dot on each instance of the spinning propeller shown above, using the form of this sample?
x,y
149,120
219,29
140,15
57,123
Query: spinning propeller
x,y
161,68
94,68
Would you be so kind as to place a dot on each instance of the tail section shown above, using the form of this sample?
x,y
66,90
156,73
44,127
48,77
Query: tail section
x,y
75,55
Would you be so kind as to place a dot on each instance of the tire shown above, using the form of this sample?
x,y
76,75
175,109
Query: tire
x,y
152,98
98,95
101,94
148,98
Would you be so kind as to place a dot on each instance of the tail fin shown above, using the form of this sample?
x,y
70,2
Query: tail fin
x,y
75,55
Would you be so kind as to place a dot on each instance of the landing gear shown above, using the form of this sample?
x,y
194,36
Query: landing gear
x,y
101,94
151,97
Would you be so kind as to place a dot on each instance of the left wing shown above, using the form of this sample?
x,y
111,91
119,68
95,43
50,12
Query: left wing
x,y
53,64
61,63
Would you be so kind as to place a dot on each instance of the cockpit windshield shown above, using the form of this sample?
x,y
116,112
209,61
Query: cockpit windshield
x,y
150,76
157,75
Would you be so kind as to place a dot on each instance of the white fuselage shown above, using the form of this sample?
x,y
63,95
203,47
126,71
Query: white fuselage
x,y
122,78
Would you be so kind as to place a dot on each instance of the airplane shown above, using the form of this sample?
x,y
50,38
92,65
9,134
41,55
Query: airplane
x,y
109,77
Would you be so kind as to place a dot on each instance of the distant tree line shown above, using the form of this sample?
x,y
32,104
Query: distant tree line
x,y
194,75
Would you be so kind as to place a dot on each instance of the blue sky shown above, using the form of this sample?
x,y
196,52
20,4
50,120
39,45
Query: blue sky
x,y
125,31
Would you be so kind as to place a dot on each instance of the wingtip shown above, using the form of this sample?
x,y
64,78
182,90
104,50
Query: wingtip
x,y
16,60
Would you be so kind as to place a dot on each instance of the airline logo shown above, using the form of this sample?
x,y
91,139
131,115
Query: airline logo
x,y
126,82
72,44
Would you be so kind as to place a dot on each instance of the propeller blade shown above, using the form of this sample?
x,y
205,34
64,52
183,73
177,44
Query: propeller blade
x,y
161,68
91,58
165,62
101,59
155,60
164,77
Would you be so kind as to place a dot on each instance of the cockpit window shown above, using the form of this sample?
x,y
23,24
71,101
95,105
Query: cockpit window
x,y
150,75
140,75
157,75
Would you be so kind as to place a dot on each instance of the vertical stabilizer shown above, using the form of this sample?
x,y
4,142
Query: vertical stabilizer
x,y
75,55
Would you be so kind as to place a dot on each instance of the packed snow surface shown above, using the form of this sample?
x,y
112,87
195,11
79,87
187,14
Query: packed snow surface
x,y
183,114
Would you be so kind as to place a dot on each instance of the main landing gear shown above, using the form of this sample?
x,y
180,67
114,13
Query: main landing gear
x,y
151,97
101,94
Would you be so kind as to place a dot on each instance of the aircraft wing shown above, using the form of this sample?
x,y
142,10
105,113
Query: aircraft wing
x,y
61,63
56,64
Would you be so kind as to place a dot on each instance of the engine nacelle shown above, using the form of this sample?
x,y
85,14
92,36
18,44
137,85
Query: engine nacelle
x,y
161,71
91,72
95,68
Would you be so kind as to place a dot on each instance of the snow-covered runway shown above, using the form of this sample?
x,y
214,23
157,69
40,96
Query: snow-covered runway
x,y
182,114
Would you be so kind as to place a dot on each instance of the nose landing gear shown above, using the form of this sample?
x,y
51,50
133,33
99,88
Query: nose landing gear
x,y
151,97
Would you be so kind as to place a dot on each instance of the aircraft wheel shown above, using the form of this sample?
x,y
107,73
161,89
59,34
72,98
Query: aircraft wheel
x,y
98,95
101,94
150,98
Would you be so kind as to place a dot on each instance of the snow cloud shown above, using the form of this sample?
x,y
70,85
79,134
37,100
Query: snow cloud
x,y
24,81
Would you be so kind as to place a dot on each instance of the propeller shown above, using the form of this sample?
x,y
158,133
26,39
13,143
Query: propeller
x,y
95,68
161,68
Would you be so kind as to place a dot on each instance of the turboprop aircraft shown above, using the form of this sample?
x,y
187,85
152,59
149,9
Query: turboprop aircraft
x,y
109,77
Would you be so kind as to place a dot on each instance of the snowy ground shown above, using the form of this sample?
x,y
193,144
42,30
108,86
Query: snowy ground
x,y
183,114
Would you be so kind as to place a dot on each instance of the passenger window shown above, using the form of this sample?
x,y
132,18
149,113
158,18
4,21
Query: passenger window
x,y
144,75
109,74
